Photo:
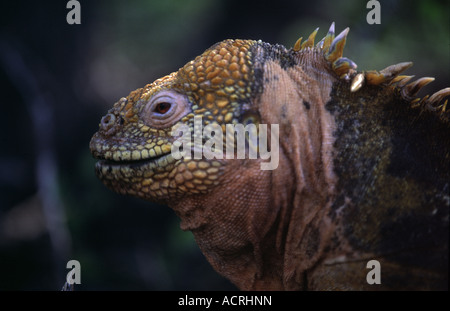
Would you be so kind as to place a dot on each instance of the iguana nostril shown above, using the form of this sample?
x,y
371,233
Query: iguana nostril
x,y
107,121
107,124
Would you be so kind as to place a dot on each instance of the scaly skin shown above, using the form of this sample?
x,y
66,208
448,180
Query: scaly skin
x,y
363,166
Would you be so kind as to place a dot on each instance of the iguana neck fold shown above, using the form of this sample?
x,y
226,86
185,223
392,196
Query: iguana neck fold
x,y
295,97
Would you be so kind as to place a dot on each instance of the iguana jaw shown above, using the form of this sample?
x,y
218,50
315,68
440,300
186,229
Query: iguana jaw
x,y
158,178
127,174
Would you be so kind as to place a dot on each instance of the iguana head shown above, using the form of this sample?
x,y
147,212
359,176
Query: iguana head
x,y
135,137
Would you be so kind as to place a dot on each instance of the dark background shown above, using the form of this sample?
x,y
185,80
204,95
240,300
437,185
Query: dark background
x,y
58,80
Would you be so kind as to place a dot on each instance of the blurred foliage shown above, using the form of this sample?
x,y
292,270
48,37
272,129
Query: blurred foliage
x,y
79,71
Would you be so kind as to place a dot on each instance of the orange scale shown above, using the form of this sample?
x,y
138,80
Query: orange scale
x,y
233,66
222,103
213,74
210,97
234,59
222,63
210,68
216,80
221,92
217,58
236,75
209,63
245,69
223,51
225,74
235,52
229,82
129,114
189,68
227,56
129,106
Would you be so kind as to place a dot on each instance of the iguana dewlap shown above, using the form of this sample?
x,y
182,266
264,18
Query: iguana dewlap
x,y
363,169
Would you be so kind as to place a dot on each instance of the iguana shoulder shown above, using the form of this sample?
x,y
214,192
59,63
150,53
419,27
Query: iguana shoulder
x,y
363,167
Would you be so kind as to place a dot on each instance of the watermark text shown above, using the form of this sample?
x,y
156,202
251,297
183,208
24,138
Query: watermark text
x,y
374,15
240,142
74,15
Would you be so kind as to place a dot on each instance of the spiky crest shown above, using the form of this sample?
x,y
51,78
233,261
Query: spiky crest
x,y
332,48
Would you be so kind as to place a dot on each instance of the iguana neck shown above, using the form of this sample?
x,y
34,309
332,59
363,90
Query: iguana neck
x,y
293,95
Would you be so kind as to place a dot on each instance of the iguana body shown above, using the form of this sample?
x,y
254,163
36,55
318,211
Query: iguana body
x,y
363,166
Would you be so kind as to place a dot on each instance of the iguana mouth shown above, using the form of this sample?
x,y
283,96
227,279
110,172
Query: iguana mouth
x,y
158,161
131,157
125,162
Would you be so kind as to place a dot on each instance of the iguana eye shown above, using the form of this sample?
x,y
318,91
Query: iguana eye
x,y
162,108
165,108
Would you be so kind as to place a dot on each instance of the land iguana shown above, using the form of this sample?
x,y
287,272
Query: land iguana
x,y
363,171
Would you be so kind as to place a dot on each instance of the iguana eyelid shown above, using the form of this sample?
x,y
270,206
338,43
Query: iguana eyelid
x,y
180,106
163,99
